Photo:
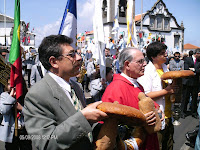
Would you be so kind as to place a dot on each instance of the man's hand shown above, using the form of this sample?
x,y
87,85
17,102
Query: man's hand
x,y
19,106
13,92
172,88
92,114
150,118
163,115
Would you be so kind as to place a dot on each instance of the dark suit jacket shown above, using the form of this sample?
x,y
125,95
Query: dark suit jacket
x,y
36,75
49,112
193,80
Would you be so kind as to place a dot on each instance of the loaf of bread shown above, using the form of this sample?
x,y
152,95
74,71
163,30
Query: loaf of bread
x,y
106,139
146,105
135,141
124,114
118,114
177,74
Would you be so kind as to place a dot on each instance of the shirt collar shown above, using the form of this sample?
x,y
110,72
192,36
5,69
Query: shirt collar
x,y
133,81
64,84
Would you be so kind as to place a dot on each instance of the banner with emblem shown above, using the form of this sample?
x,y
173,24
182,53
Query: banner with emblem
x,y
4,71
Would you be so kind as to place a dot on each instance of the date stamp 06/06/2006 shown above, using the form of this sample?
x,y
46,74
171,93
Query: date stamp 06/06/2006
x,y
37,137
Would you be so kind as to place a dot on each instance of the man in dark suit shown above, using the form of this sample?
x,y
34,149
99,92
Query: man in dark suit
x,y
37,72
191,84
53,118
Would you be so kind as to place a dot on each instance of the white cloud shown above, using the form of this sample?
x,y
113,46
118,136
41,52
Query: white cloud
x,y
85,11
46,30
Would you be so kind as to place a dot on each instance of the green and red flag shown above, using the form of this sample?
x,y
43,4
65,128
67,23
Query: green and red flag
x,y
15,54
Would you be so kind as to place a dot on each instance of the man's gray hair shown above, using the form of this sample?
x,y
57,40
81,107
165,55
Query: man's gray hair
x,y
126,54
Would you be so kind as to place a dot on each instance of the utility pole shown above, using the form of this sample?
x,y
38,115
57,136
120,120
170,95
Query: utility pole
x,y
5,19
141,13
141,32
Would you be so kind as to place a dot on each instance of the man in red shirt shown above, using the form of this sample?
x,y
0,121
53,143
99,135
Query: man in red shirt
x,y
125,89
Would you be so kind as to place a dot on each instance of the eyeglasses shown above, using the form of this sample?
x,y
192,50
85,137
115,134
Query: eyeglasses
x,y
72,54
140,62
162,53
177,56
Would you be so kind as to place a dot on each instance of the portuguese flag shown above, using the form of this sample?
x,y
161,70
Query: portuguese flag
x,y
15,54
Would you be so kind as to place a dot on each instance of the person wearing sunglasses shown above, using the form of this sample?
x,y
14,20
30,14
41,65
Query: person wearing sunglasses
x,y
56,116
176,64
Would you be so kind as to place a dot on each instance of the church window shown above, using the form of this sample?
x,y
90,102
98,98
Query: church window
x,y
166,25
152,22
159,23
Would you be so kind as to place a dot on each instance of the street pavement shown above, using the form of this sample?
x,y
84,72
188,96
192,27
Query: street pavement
x,y
187,124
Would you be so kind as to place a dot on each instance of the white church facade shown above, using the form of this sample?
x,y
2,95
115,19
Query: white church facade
x,y
157,24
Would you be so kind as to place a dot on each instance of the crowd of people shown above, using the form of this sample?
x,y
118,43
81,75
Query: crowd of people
x,y
55,113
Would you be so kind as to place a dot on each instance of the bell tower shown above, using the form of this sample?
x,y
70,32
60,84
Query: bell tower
x,y
110,9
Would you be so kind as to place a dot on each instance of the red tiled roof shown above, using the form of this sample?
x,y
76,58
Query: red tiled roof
x,y
138,17
190,46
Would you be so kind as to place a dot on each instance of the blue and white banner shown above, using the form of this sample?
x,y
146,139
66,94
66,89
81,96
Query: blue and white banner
x,y
115,24
68,25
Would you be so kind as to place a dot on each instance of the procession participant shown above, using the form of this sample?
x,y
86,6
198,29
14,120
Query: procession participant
x,y
29,63
108,58
191,84
3,53
122,43
125,89
7,109
176,64
159,90
98,85
51,114
37,73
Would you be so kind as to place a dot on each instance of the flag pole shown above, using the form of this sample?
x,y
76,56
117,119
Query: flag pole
x,y
16,121
5,19
16,78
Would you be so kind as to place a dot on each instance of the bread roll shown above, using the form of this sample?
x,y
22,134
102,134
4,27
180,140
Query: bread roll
x,y
135,141
177,74
106,139
146,105
118,113
124,114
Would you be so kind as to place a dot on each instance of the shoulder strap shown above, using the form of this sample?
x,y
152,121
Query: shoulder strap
x,y
40,71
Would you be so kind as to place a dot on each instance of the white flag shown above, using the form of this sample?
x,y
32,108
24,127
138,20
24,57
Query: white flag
x,y
131,41
99,36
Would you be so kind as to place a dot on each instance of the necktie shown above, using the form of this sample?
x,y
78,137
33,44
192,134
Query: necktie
x,y
78,106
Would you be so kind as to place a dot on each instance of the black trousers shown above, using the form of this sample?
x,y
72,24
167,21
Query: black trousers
x,y
29,76
19,143
187,90
87,82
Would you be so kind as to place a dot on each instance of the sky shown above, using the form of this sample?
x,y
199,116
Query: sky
x,y
45,15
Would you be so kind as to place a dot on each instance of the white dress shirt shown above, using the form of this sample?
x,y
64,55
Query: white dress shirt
x,y
133,81
63,84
